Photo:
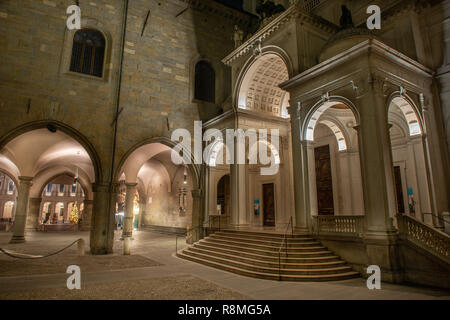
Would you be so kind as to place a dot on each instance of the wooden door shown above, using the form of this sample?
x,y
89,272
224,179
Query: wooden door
x,y
324,181
399,190
269,204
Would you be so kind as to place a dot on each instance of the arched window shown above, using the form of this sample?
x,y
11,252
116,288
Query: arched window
x,y
205,82
88,52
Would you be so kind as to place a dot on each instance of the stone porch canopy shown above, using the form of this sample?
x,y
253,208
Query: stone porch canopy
x,y
368,76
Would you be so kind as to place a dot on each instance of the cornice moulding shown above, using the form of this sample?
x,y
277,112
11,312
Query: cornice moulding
x,y
368,46
291,13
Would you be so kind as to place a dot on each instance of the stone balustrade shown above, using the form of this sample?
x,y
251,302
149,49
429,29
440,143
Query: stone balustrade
x,y
424,236
349,225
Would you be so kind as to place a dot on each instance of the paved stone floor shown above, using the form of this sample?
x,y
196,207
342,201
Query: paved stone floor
x,y
153,272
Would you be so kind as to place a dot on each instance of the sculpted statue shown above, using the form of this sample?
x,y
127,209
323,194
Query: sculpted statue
x,y
238,36
346,18
268,8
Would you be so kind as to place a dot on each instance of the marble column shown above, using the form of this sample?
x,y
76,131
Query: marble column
x,y
25,184
238,187
33,213
238,195
129,210
301,175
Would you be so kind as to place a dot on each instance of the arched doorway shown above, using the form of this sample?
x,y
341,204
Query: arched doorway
x,y
335,180
37,152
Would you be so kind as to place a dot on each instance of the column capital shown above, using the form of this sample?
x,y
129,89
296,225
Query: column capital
x,y
197,193
101,187
294,110
130,184
25,179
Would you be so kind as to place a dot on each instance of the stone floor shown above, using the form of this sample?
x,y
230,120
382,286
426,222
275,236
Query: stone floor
x,y
153,272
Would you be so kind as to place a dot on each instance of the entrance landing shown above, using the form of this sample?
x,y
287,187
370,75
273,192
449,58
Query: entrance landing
x,y
269,255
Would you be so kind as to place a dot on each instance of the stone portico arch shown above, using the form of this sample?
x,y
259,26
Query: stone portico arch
x,y
153,156
40,146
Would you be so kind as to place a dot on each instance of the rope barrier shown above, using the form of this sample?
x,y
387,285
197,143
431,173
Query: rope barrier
x,y
17,255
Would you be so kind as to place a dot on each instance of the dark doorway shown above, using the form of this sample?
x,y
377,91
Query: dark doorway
x,y
223,194
269,204
399,190
324,181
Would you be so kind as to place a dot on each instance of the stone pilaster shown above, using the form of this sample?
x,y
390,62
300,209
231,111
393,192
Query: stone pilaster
x,y
20,218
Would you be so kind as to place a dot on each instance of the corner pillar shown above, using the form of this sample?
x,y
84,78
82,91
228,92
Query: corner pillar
x,y
380,237
102,221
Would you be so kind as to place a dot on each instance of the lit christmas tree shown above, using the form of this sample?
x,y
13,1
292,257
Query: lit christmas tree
x,y
73,217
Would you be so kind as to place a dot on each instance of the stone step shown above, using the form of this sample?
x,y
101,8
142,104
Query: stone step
x,y
292,254
264,262
289,259
262,235
271,242
271,275
253,267
263,246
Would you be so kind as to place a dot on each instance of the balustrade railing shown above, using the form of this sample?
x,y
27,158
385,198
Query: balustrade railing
x,y
350,225
424,236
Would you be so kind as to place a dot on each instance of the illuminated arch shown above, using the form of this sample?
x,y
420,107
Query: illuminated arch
x,y
258,84
313,116
338,133
409,111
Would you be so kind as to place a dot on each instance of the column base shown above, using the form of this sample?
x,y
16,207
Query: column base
x,y
383,251
124,236
239,226
301,230
17,239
